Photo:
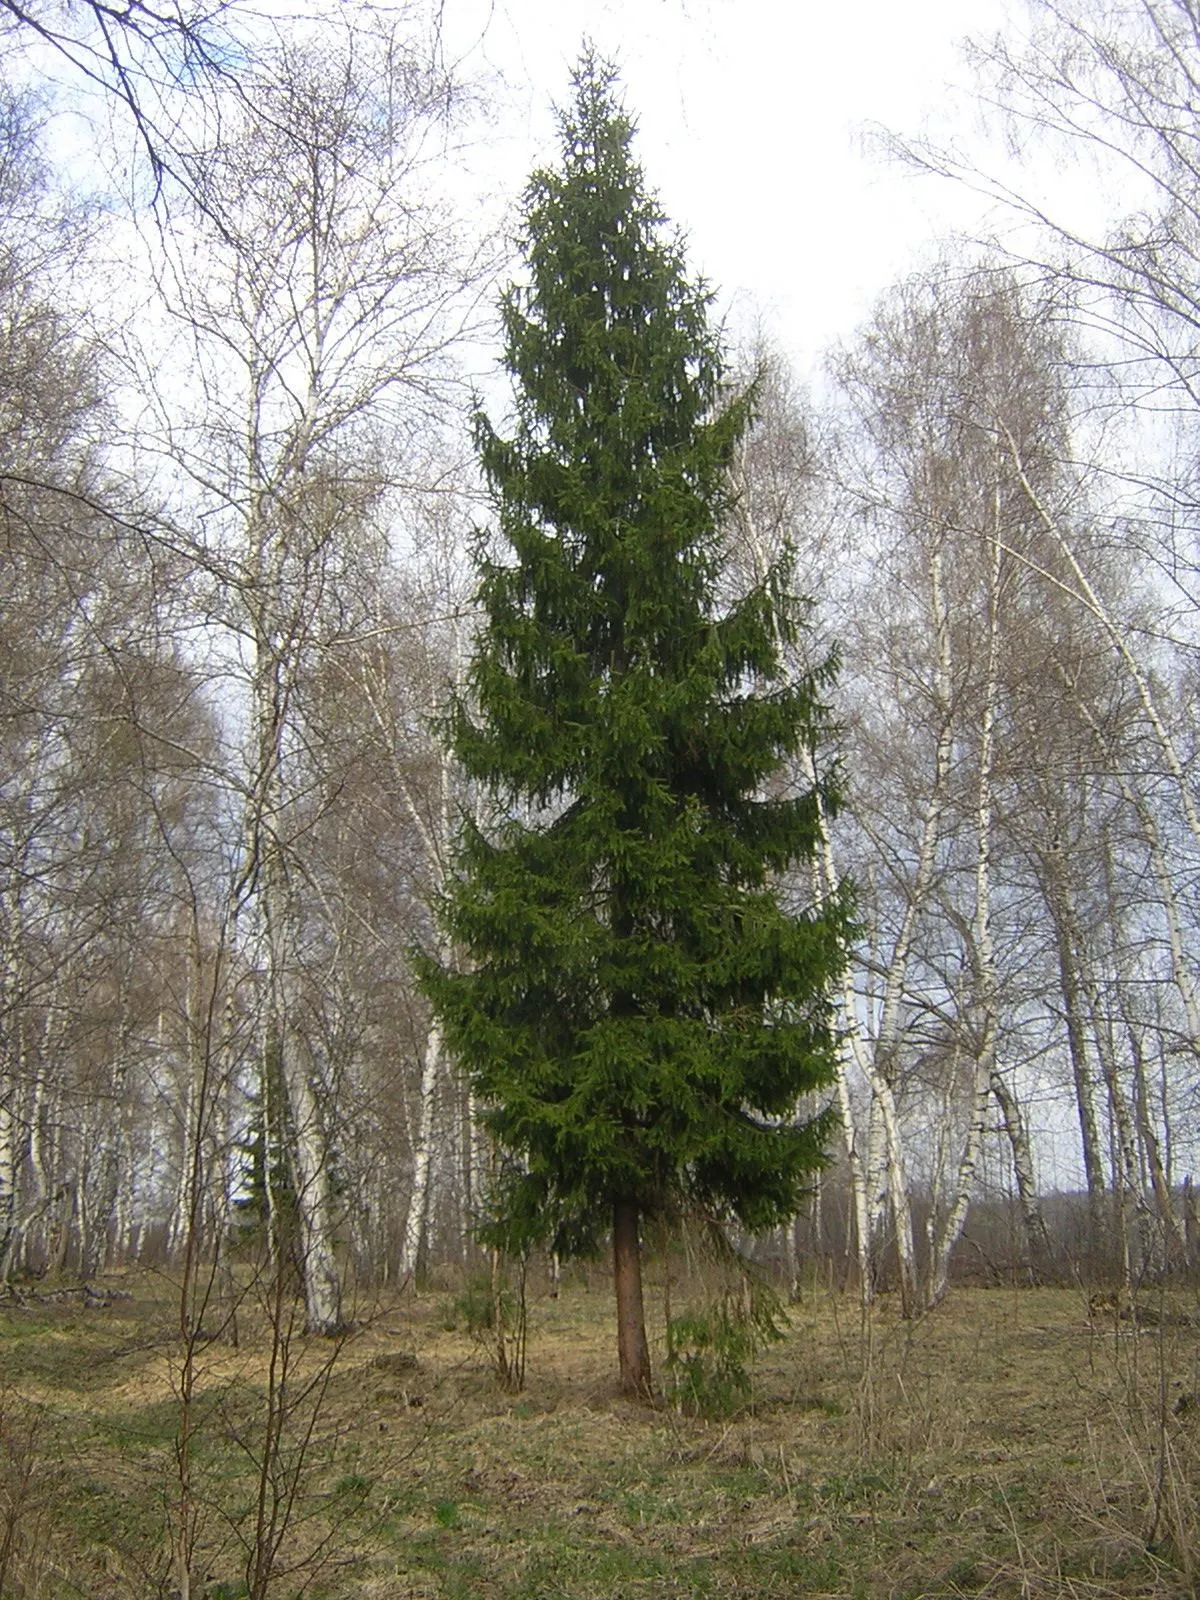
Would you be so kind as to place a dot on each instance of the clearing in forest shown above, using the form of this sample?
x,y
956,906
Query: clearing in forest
x,y
1011,1443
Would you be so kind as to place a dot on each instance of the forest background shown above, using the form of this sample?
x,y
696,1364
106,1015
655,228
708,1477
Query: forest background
x,y
244,296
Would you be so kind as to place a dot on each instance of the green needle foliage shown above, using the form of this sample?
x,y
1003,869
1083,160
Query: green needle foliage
x,y
637,1010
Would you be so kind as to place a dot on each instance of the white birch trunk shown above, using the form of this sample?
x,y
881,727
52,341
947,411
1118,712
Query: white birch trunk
x,y
275,601
308,1156
13,1078
418,1205
1037,1239
9,1159
1070,986
114,1156
951,1230
314,1202
881,1065
983,949
875,1154
1174,1245
1130,1197
44,1182
858,1188
35,1200
180,1208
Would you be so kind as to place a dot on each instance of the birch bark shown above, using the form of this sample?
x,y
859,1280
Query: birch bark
x,y
982,947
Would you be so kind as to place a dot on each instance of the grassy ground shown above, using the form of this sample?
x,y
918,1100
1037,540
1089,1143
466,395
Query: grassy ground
x,y
1008,1444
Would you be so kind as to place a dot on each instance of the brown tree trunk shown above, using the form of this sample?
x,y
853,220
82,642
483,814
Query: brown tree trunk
x,y
632,1348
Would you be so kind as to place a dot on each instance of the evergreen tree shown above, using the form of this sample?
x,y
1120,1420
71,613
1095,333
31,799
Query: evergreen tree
x,y
637,1011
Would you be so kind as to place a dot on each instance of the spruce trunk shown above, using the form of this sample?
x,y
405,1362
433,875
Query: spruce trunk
x,y
632,1348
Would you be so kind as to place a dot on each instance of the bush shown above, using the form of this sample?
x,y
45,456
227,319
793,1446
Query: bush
x,y
708,1349
474,1308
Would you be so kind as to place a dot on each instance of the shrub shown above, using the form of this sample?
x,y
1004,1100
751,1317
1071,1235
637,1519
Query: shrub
x,y
708,1349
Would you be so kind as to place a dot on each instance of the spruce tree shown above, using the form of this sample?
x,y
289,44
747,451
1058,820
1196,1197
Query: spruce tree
x,y
637,1011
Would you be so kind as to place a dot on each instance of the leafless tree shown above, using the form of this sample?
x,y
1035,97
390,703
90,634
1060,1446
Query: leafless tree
x,y
316,346
955,365
83,637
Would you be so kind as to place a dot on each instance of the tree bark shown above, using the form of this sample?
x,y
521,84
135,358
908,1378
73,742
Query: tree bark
x,y
1089,1127
791,1260
114,1157
1037,1240
418,1205
1174,1246
984,981
951,1231
858,1188
632,1348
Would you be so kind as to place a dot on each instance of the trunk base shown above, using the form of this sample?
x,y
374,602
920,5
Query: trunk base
x,y
632,1348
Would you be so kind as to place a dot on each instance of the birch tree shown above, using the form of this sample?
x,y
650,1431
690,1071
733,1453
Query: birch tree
x,y
954,365
316,341
81,627
382,816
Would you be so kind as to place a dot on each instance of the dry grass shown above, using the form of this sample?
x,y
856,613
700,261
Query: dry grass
x,y
1005,1446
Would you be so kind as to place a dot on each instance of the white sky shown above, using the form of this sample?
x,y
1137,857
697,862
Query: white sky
x,y
752,115
754,119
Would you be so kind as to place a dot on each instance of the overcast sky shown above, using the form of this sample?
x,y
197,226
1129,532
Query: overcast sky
x,y
752,119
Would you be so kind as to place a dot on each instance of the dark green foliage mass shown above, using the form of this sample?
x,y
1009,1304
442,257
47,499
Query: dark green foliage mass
x,y
636,1009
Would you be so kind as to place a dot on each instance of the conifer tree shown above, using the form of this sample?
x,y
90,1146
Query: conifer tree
x,y
638,1012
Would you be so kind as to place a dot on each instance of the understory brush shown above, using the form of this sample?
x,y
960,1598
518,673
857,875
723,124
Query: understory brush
x,y
710,1348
